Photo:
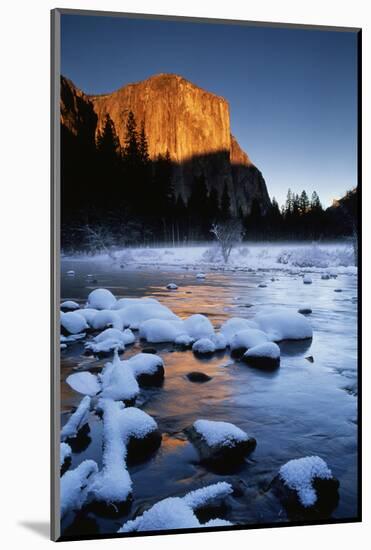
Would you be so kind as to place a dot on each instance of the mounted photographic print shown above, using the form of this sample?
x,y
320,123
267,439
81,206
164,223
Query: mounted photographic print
x,y
206,240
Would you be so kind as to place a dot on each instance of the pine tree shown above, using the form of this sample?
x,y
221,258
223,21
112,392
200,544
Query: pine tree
x,y
303,203
143,145
131,152
107,141
315,203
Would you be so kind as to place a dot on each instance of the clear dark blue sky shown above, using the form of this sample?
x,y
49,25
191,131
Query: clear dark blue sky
x,y
292,93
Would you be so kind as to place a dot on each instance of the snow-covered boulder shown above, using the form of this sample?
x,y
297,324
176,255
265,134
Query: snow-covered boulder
x,y
107,318
141,433
118,381
147,368
77,420
284,325
246,339
84,382
219,340
198,326
88,314
65,455
178,513
109,340
307,280
201,275
123,303
203,346
75,486
234,325
306,485
264,356
72,323
161,330
101,298
220,444
69,305
184,341
133,315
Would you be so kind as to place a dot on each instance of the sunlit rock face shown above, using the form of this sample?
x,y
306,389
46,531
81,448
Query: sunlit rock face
x,y
182,118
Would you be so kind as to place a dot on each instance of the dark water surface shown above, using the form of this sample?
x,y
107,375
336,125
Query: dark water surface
x,y
301,409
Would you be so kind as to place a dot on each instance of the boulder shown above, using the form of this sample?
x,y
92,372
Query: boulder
x,y
220,444
200,377
306,488
264,356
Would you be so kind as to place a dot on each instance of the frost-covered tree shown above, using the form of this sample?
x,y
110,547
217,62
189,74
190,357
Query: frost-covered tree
x,y
227,234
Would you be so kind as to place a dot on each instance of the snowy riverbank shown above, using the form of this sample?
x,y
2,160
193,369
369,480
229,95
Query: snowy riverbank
x,y
283,256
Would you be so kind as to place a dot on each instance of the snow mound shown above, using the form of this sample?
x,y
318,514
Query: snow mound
x,y
136,423
101,298
203,345
122,303
198,326
118,381
219,341
77,420
69,305
160,330
284,325
73,322
75,486
247,338
64,453
299,474
178,513
219,433
133,315
112,485
234,325
268,349
88,314
145,363
84,382
107,318
184,340
109,340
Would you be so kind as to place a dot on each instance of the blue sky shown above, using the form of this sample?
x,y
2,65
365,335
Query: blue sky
x,y
292,93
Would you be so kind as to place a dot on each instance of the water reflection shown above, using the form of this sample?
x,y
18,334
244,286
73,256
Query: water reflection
x,y
297,410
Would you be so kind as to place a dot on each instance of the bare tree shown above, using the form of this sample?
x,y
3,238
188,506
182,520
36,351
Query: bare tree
x,y
228,234
98,239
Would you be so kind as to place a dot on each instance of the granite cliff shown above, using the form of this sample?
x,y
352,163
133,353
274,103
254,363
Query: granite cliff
x,y
182,118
